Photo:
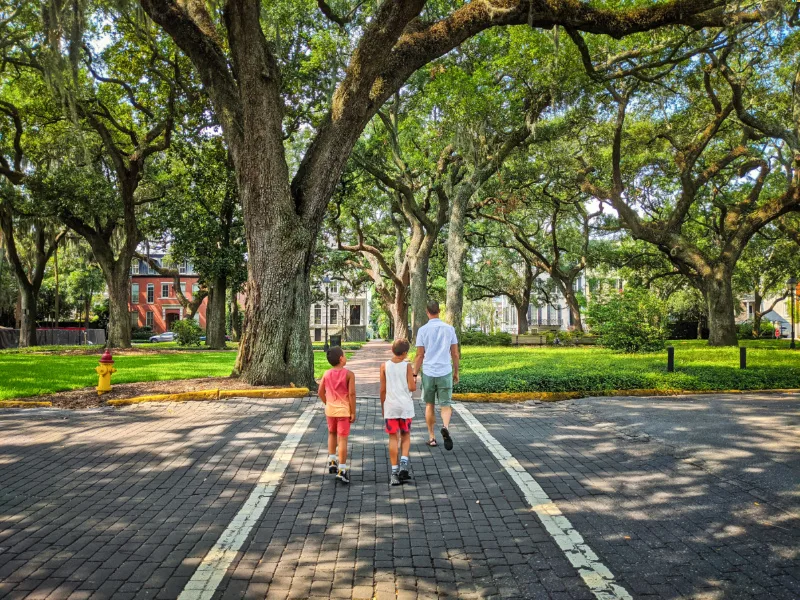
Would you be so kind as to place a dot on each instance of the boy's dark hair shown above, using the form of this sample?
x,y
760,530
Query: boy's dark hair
x,y
432,307
400,347
334,355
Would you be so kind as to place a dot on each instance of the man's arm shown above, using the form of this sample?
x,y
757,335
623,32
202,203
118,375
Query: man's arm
x,y
321,391
455,356
418,359
351,379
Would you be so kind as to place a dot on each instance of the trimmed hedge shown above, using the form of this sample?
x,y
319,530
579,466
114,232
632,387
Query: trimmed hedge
x,y
543,369
477,338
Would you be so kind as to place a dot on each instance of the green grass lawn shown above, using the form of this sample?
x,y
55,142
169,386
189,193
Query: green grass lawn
x,y
31,374
585,369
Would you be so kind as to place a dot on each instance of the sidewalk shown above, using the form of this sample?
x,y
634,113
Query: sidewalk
x,y
128,503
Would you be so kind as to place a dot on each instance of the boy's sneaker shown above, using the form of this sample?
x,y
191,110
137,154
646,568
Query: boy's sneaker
x,y
343,476
395,479
403,473
448,441
333,466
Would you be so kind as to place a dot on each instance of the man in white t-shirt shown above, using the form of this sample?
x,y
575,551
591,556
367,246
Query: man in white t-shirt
x,y
437,347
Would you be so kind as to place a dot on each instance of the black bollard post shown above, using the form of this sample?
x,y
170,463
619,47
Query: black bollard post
x,y
742,357
670,359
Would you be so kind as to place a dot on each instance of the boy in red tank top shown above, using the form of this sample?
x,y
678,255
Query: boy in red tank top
x,y
337,390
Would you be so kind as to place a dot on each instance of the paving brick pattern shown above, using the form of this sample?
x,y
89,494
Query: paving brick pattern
x,y
125,504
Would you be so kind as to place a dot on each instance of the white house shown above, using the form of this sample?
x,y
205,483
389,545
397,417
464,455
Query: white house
x,y
347,312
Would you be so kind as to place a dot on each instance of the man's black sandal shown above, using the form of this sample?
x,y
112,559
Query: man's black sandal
x,y
448,441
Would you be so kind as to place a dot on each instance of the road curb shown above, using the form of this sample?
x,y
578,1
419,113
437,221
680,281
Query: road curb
x,y
23,404
514,397
210,395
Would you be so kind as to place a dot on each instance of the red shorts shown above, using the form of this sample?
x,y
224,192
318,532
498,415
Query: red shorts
x,y
339,425
395,425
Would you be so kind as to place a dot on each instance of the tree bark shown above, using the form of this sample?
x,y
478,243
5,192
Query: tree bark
x,y
27,326
419,293
215,313
275,346
399,314
756,313
573,306
236,330
719,298
119,320
522,316
456,256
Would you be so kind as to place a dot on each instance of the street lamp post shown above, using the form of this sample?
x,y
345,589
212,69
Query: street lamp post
x,y
326,280
792,283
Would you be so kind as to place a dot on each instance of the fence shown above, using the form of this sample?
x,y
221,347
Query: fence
x,y
9,338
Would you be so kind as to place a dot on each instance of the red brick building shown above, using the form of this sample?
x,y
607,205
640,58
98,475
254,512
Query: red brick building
x,y
153,302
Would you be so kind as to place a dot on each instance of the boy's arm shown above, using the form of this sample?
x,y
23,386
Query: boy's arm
x,y
412,382
321,391
383,386
351,378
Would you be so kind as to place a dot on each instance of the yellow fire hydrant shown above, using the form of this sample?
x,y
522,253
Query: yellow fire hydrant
x,y
104,370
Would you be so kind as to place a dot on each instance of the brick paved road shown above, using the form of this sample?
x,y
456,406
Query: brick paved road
x,y
126,504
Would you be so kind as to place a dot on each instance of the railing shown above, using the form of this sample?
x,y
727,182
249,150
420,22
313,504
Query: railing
x,y
546,322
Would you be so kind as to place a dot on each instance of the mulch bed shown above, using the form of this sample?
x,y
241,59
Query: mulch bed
x,y
88,398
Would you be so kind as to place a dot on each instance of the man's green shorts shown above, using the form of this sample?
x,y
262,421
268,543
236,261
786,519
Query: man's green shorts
x,y
438,390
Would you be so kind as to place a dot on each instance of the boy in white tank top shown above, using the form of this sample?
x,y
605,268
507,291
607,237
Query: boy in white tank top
x,y
397,406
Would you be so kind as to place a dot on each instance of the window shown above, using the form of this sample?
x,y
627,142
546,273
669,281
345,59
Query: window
x,y
195,289
151,293
135,267
165,290
182,268
334,314
355,314
318,335
317,314
750,309
135,293
148,319
183,287
134,318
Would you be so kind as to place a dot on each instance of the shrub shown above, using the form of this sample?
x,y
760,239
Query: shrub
x,y
746,330
188,332
631,321
477,338
141,333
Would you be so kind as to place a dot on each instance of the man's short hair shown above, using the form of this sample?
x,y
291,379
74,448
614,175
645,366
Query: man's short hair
x,y
433,307
334,355
400,347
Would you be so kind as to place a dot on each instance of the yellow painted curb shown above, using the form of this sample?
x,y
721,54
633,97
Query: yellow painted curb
x,y
291,392
22,404
182,397
503,397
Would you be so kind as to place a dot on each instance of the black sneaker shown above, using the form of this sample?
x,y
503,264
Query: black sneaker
x,y
403,473
448,441
343,476
333,467
394,480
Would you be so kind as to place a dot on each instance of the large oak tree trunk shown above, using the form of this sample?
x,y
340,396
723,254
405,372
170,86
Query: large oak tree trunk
x,y
719,298
419,294
215,313
27,326
756,313
522,317
119,320
574,306
456,256
275,347
399,315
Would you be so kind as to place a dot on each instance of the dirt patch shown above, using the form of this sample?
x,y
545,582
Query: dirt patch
x,y
88,398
